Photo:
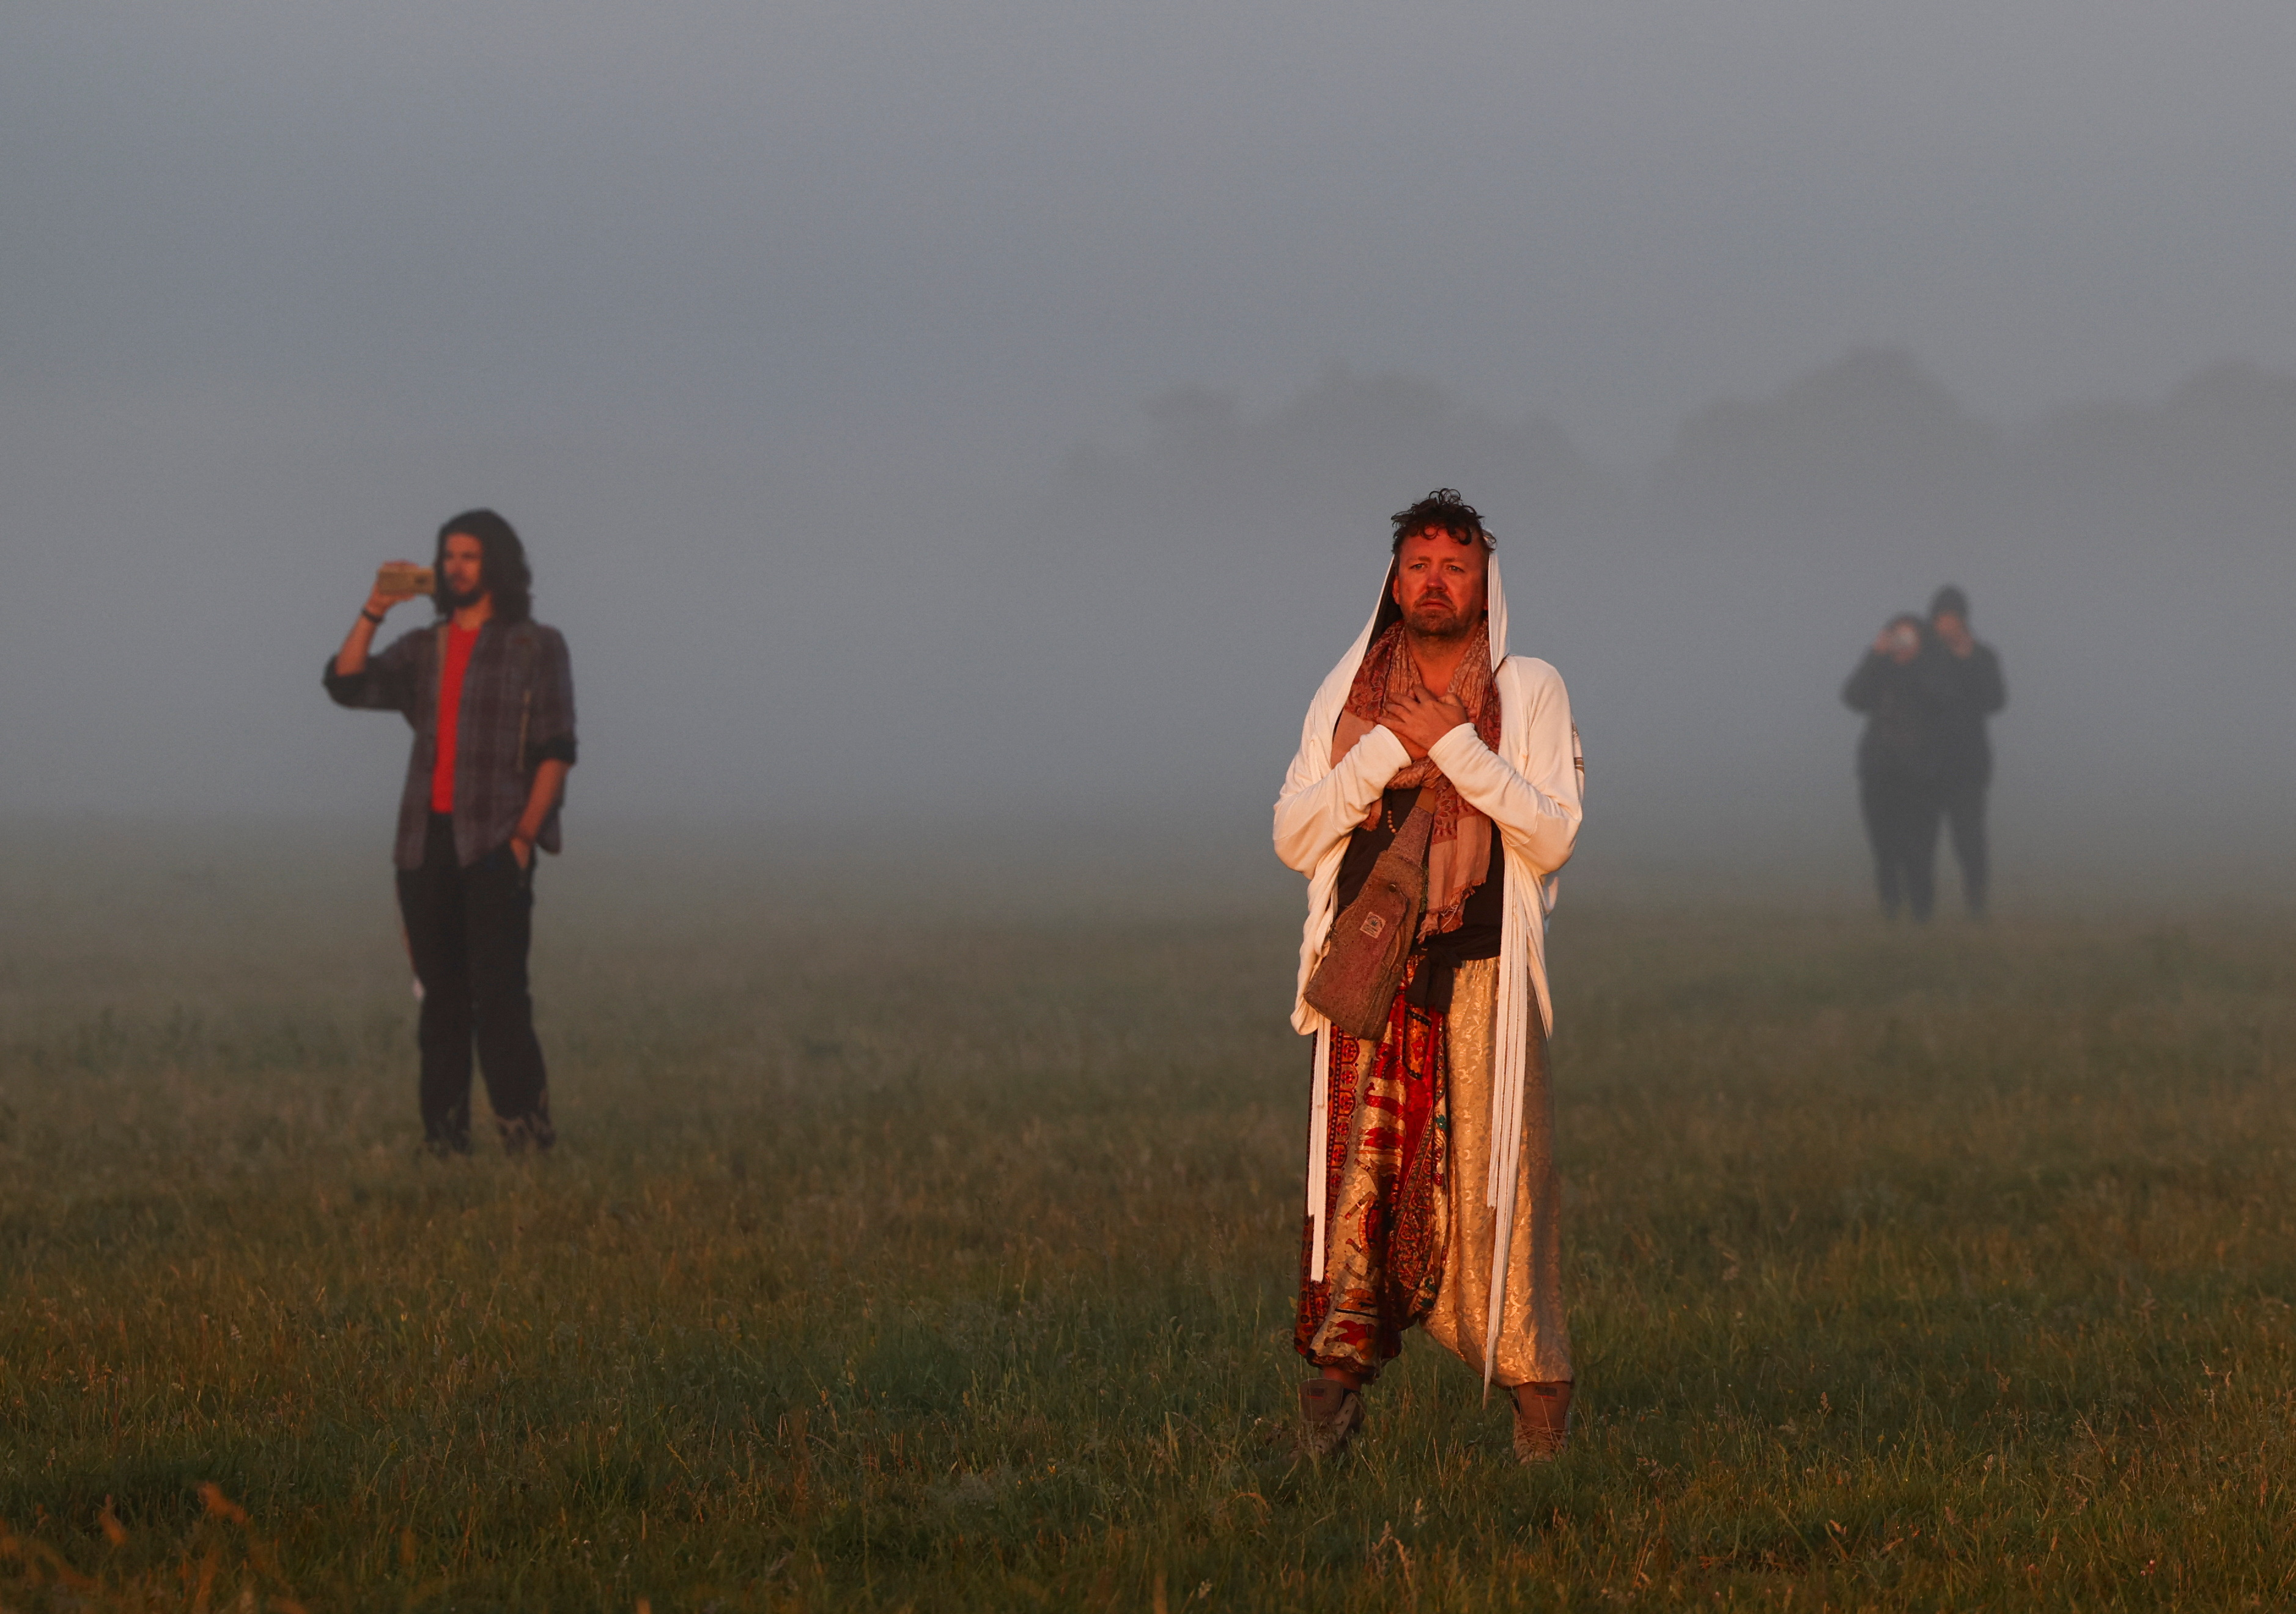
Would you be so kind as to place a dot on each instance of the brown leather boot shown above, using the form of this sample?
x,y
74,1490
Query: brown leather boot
x,y
1330,1412
1542,1420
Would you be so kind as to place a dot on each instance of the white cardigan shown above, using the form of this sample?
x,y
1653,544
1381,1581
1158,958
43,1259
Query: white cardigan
x,y
1531,789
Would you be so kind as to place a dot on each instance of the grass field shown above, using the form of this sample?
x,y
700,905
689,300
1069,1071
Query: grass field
x,y
945,1261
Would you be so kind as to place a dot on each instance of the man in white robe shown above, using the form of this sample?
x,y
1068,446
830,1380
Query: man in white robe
x,y
1432,1193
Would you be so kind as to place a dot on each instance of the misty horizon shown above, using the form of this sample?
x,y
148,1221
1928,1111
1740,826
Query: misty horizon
x,y
1808,516
993,416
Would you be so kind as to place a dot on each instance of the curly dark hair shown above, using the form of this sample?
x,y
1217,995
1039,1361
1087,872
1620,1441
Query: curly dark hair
x,y
502,566
1446,509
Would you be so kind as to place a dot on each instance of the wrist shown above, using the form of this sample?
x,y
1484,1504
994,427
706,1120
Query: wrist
x,y
1442,741
372,615
1395,733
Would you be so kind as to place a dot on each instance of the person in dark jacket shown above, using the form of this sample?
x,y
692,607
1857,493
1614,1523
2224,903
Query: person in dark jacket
x,y
1897,765
490,696
1966,688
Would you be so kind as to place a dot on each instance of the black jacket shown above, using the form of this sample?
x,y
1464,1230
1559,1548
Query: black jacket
x,y
1899,744
1963,693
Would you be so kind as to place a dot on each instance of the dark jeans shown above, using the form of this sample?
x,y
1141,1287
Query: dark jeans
x,y
1964,821
1901,822
468,930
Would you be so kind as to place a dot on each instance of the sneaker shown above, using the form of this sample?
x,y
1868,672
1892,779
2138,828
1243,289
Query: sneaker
x,y
1330,1412
1542,1420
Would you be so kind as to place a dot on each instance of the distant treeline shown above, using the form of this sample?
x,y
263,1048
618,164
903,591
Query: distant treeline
x,y
2135,563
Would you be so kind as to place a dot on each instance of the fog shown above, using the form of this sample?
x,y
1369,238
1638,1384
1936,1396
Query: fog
x,y
988,414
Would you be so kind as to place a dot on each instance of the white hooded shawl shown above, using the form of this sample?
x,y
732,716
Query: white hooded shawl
x,y
1531,789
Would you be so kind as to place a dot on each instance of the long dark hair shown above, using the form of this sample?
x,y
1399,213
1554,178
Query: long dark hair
x,y
502,565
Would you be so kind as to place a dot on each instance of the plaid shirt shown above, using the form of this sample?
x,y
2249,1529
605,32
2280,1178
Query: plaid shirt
x,y
517,713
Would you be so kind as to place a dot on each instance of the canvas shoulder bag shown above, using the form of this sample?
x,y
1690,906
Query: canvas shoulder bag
x,y
1354,982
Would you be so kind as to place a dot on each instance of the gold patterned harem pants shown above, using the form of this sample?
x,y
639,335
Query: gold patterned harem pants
x,y
1355,1317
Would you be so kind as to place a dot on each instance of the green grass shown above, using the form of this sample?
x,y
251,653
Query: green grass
x,y
947,1263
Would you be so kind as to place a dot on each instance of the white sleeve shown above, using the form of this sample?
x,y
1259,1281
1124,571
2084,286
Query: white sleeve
x,y
1315,813
1537,815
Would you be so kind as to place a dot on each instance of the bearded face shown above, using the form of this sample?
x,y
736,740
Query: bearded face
x,y
462,571
1439,584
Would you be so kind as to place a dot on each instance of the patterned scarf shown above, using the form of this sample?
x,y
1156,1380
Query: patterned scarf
x,y
1459,850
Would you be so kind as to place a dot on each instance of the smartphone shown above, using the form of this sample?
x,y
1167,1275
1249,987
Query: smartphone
x,y
399,578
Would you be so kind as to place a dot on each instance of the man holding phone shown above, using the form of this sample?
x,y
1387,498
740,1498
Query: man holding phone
x,y
489,694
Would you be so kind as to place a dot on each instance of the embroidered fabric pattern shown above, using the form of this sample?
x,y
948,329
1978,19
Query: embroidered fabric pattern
x,y
1459,850
1388,1188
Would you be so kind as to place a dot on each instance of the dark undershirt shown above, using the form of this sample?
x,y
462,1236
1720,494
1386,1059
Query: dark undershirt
x,y
1480,917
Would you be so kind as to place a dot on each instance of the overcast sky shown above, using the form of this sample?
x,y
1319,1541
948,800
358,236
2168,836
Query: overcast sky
x,y
700,292
980,225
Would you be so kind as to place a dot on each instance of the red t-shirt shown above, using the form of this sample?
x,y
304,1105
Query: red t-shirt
x,y
460,643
